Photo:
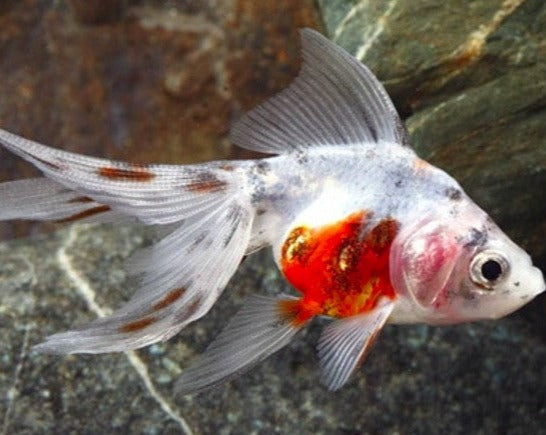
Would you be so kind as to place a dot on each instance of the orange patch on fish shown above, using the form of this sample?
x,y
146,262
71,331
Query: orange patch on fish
x,y
419,165
296,243
340,269
135,174
381,236
294,313
169,298
137,325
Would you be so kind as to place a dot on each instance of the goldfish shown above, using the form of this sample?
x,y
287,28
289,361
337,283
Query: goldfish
x,y
365,231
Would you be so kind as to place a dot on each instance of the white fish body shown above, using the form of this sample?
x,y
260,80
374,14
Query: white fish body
x,y
365,231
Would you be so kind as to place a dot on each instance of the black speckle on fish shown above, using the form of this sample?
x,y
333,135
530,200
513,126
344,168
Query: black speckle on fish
x,y
262,167
477,238
302,158
454,194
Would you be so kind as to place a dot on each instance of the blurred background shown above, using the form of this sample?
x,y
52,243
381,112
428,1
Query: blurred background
x,y
145,81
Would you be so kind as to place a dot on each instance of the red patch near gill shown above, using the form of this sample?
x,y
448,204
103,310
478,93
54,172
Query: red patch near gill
x,y
340,269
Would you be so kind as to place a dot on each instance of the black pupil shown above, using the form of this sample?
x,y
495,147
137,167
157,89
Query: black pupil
x,y
491,270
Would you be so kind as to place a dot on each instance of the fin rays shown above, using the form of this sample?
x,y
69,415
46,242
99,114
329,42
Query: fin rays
x,y
154,194
335,100
256,332
344,343
173,297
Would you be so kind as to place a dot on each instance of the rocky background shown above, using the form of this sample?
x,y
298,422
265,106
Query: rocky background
x,y
160,81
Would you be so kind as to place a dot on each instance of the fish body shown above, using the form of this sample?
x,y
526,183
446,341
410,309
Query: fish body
x,y
338,201
366,232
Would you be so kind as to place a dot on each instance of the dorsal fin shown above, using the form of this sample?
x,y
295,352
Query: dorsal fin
x,y
335,100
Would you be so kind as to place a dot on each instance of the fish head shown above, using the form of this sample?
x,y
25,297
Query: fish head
x,y
462,268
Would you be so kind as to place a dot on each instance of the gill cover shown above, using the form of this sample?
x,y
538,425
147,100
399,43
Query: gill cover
x,y
423,259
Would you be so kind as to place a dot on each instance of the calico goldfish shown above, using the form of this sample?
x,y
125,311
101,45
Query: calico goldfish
x,y
365,231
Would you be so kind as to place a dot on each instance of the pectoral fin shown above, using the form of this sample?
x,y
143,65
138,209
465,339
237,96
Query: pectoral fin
x,y
258,330
345,343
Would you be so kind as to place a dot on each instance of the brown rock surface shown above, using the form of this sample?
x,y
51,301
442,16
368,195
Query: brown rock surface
x,y
144,81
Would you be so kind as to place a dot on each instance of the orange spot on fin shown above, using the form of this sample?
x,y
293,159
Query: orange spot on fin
x,y
190,309
81,199
169,298
294,312
136,174
137,325
85,214
206,182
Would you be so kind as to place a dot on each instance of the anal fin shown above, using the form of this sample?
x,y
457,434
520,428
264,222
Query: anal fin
x,y
345,343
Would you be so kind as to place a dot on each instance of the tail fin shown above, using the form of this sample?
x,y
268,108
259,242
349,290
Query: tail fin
x,y
258,330
43,199
154,194
183,274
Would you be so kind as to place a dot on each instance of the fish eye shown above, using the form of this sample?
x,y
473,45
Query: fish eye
x,y
487,268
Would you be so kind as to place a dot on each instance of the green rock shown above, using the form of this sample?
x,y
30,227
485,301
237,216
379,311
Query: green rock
x,y
470,80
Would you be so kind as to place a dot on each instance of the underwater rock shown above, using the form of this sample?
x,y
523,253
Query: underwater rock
x,y
144,81
97,11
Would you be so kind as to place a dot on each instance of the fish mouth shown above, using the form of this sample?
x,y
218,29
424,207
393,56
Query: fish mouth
x,y
539,279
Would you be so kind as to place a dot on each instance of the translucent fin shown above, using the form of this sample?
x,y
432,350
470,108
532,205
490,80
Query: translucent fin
x,y
335,100
255,332
155,194
186,273
345,343
46,200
